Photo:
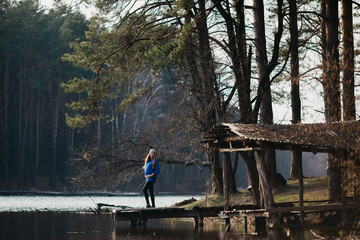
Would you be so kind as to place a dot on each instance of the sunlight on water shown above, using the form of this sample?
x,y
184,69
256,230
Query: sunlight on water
x,y
80,203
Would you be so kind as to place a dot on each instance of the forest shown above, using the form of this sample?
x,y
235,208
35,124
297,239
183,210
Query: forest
x,y
83,100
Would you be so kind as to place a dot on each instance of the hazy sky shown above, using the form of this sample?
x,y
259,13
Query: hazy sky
x,y
88,11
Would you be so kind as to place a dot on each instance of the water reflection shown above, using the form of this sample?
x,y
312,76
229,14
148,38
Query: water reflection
x,y
169,229
48,225
75,226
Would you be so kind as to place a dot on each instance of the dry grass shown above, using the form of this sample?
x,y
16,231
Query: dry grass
x,y
315,189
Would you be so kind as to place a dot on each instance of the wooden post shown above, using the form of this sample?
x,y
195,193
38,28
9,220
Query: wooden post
x,y
344,185
245,224
226,188
260,225
227,224
301,188
199,219
265,184
226,180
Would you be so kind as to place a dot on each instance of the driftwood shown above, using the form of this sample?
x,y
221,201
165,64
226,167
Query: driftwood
x,y
185,202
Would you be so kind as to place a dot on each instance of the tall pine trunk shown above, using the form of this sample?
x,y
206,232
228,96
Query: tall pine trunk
x,y
349,108
19,148
241,66
349,112
331,85
5,131
266,112
296,156
36,167
200,66
55,140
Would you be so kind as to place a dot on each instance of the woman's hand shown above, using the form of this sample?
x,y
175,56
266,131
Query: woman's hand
x,y
149,176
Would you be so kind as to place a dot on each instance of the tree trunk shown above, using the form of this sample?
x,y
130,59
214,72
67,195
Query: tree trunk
x,y
349,112
216,171
98,137
331,85
6,134
36,167
253,175
265,185
55,140
19,165
112,130
200,66
241,64
323,33
232,173
295,91
331,81
23,150
266,112
349,107
264,179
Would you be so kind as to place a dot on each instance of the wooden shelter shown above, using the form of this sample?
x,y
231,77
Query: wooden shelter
x,y
317,137
337,138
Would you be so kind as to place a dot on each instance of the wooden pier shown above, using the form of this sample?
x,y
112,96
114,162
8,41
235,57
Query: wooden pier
x,y
286,213
140,216
289,214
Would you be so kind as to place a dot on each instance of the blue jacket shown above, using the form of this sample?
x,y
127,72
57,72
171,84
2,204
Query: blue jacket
x,y
149,170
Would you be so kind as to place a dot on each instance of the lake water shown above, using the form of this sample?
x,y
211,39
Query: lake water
x,y
61,217
82,203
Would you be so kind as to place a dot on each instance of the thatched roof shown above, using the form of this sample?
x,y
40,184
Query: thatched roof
x,y
317,137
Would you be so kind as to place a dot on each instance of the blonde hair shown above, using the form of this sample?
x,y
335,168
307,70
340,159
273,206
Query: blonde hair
x,y
147,159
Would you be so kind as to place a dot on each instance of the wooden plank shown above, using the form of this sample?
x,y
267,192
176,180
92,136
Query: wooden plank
x,y
315,208
197,213
155,213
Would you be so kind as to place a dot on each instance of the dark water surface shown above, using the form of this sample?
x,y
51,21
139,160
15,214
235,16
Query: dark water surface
x,y
90,226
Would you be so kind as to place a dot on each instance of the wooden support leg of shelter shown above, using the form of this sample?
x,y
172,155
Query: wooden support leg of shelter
x,y
226,187
301,189
199,220
266,185
226,180
344,188
133,221
245,224
142,220
227,224
260,225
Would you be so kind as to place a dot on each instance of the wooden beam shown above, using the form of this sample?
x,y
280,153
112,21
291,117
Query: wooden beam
x,y
238,149
238,146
